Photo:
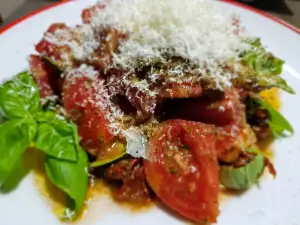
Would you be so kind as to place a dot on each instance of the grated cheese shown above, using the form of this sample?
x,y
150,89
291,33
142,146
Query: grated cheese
x,y
193,30
80,39
203,37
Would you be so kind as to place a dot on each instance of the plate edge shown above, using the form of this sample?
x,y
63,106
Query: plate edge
x,y
38,11
231,2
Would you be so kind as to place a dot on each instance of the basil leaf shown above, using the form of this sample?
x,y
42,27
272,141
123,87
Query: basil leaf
x,y
15,136
15,177
282,84
19,96
64,126
56,136
265,67
47,116
277,122
56,144
264,63
59,122
70,177
2,119
242,178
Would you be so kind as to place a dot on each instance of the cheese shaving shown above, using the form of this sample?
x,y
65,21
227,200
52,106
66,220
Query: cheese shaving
x,y
136,142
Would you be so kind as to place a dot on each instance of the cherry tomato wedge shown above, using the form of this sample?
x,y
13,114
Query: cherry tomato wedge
x,y
80,105
182,168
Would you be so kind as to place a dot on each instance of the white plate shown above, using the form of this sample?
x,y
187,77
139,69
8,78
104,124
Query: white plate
x,y
275,202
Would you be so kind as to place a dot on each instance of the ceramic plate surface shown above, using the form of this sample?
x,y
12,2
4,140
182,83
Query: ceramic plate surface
x,y
274,202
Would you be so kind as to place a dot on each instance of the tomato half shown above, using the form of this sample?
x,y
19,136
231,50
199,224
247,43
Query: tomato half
x,y
54,51
182,168
80,105
220,110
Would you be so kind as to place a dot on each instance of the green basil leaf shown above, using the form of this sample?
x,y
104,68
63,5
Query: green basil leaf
x,y
15,177
2,118
64,126
265,67
277,122
15,137
264,63
43,117
59,122
242,178
56,138
19,96
282,84
70,177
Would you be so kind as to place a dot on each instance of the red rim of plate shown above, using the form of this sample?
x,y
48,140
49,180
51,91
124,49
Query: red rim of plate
x,y
232,2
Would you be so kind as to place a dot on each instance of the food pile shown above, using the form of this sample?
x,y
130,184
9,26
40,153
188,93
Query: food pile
x,y
160,99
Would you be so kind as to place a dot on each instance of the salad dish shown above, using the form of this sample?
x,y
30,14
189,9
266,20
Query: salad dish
x,y
162,100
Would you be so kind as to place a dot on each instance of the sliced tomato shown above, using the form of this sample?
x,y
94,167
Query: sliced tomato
x,y
77,93
182,168
54,45
236,136
50,49
220,111
93,128
80,105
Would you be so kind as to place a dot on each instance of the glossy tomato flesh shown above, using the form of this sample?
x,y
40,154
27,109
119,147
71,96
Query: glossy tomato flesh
x,y
219,111
183,170
80,105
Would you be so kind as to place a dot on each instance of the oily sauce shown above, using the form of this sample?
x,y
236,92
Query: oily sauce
x,y
34,160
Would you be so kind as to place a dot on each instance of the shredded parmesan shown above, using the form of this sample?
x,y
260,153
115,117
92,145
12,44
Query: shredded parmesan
x,y
193,30
80,39
192,40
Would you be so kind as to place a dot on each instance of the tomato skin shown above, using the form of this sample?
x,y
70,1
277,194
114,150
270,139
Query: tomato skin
x,y
93,128
77,93
235,136
220,111
45,47
193,192
87,13
60,55
40,76
80,105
